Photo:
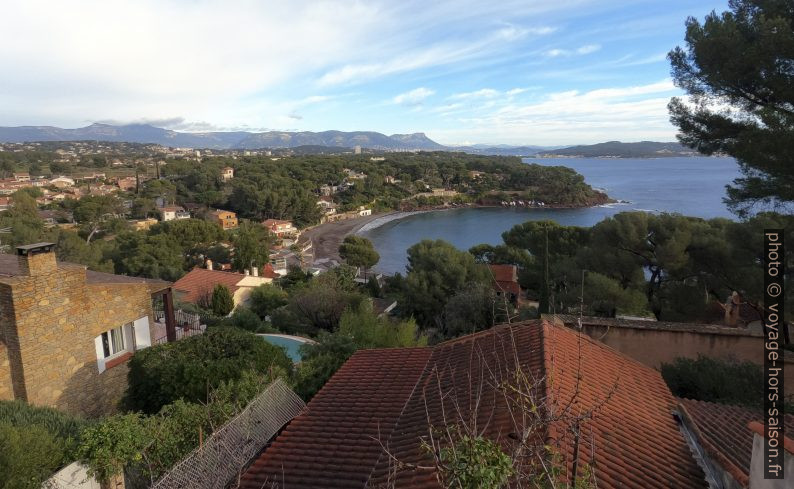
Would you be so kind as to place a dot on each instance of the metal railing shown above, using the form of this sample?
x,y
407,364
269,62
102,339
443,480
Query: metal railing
x,y
221,459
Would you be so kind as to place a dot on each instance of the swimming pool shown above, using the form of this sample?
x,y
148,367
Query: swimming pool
x,y
290,343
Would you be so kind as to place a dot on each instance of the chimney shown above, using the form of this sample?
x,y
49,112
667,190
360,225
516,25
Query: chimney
x,y
208,263
247,272
759,463
254,271
36,259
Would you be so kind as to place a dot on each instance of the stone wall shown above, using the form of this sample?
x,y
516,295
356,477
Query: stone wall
x,y
653,347
6,392
57,315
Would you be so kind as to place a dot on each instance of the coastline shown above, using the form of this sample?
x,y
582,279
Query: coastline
x,y
327,237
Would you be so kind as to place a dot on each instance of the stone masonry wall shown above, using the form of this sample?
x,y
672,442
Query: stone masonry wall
x,y
57,316
6,392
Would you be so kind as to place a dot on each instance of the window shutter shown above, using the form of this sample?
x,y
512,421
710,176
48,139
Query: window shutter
x,y
143,337
100,354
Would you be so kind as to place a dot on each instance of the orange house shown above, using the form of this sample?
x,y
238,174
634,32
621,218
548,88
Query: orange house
x,y
226,219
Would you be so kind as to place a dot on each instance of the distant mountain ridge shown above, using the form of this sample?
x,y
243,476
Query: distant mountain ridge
x,y
616,149
145,133
148,134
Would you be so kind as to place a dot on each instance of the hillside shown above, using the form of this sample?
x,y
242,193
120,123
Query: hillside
x,y
144,133
617,149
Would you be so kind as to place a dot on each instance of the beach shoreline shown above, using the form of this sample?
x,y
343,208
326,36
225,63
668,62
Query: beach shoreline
x,y
327,237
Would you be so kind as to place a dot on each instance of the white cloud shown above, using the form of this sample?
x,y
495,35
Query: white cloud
x,y
628,113
438,54
554,53
516,91
413,97
482,93
588,48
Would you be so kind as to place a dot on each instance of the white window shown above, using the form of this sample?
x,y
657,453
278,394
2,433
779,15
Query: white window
x,y
114,342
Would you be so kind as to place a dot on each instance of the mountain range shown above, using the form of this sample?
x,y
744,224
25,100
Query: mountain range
x,y
616,149
148,134
145,133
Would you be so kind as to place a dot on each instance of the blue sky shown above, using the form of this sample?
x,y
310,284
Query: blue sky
x,y
510,72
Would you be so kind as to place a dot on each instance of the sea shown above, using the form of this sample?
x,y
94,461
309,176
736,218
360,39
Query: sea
x,y
693,186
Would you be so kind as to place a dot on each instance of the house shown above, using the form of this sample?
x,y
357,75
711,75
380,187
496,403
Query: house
x,y
127,183
62,182
22,177
363,211
391,180
49,217
197,285
505,282
173,212
66,333
327,205
353,174
279,260
280,227
227,173
225,219
5,203
142,224
371,424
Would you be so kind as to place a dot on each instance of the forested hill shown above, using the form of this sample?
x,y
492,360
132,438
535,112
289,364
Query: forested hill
x,y
145,133
616,149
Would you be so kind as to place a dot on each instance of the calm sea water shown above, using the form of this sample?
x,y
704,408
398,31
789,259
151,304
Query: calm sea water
x,y
690,186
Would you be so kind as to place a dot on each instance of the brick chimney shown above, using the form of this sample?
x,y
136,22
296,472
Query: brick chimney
x,y
36,259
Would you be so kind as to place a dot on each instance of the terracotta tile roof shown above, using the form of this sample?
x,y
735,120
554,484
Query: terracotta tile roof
x,y
199,281
333,442
268,272
722,430
395,396
504,273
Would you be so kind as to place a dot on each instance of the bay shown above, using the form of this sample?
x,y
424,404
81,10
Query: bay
x,y
691,186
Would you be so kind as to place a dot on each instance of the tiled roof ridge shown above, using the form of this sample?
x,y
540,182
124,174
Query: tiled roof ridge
x,y
492,330
735,471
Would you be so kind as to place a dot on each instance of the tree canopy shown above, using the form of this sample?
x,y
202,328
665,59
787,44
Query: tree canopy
x,y
738,69
187,369
358,251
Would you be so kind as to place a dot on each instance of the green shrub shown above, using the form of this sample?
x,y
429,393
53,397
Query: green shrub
x,y
266,298
708,379
190,368
150,445
475,463
59,424
222,301
29,455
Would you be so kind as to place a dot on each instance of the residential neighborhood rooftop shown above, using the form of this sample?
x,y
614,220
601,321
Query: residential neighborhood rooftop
x,y
723,431
390,399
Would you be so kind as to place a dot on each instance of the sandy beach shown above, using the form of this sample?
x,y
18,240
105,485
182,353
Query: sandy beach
x,y
327,237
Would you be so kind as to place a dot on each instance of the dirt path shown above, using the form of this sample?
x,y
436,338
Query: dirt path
x,y
327,237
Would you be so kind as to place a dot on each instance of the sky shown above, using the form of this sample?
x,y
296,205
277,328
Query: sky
x,y
531,72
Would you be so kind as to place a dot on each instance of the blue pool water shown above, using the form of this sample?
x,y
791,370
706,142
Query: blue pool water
x,y
291,344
